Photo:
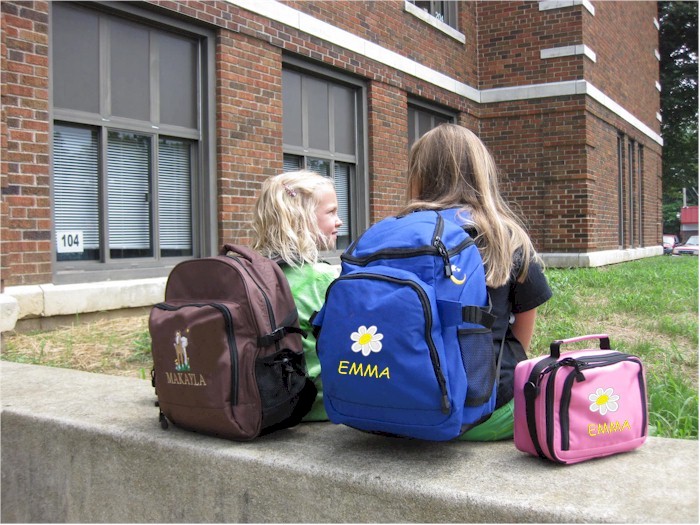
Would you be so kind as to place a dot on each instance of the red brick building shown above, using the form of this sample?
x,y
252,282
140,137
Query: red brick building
x,y
136,134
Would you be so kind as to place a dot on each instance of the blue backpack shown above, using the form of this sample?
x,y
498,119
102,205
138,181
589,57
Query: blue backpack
x,y
404,336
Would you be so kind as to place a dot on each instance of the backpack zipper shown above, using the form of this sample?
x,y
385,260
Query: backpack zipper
x,y
228,322
436,248
268,304
587,364
425,303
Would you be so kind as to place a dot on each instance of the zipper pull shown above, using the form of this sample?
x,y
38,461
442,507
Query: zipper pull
x,y
445,404
579,375
442,251
575,364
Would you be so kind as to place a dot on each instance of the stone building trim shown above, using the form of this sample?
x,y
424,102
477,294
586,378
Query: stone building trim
x,y
567,51
560,4
286,15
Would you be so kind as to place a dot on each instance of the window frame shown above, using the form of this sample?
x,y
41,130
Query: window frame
x,y
640,193
202,159
359,184
449,25
631,201
426,108
620,191
450,15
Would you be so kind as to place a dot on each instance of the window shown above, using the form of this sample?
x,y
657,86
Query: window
x,y
640,194
630,193
443,10
620,191
422,118
323,133
129,142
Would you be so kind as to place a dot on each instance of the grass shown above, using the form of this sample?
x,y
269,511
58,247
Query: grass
x,y
648,308
119,346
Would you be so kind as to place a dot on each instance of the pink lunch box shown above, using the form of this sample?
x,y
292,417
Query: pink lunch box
x,y
580,405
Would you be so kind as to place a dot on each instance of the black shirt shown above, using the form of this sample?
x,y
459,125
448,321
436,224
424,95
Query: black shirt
x,y
514,297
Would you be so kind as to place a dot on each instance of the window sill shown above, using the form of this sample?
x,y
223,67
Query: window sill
x,y
437,24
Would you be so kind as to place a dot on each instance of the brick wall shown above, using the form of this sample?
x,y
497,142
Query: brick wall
x,y
511,36
603,130
388,150
557,156
26,206
539,148
249,133
387,24
624,38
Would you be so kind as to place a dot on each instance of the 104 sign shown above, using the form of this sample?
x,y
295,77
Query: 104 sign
x,y
69,241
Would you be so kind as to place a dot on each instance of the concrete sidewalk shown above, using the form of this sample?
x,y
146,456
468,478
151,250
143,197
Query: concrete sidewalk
x,y
81,447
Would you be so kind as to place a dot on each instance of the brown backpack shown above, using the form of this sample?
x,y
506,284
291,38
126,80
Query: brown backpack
x,y
226,346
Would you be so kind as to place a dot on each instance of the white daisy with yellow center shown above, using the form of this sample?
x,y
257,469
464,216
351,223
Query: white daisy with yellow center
x,y
367,340
604,401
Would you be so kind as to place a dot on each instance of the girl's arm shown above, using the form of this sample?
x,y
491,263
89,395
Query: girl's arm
x,y
524,326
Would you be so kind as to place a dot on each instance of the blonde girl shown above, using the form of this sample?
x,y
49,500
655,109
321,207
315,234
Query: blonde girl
x,y
295,219
449,167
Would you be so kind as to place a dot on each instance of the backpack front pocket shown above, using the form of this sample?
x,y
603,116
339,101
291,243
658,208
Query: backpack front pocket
x,y
603,403
381,352
191,344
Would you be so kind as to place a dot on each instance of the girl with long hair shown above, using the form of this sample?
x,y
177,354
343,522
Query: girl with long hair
x,y
450,167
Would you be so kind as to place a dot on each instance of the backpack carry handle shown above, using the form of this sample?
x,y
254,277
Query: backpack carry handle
x,y
554,348
241,251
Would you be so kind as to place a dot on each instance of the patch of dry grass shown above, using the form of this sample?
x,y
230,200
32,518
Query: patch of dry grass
x,y
116,346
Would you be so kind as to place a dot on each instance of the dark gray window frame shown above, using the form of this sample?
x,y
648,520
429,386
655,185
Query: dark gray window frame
x,y
204,230
620,191
640,193
359,190
433,110
631,191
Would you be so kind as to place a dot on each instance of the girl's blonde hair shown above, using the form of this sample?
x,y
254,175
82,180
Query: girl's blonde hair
x,y
448,167
285,220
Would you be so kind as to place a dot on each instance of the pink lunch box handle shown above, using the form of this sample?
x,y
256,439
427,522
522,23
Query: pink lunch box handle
x,y
554,348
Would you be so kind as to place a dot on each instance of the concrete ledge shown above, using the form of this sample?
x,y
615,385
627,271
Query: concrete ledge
x,y
9,312
81,447
595,259
50,300
42,301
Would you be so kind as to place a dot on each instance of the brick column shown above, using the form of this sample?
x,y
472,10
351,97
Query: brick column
x,y
26,195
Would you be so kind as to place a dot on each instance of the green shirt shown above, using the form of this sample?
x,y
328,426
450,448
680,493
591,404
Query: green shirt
x,y
309,284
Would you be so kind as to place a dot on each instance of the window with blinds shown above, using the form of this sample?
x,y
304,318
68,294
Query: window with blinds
x,y
133,195
124,158
174,202
77,189
128,195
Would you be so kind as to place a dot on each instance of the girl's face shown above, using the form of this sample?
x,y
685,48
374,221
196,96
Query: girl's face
x,y
327,214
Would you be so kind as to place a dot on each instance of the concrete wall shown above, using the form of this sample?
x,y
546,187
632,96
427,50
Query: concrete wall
x,y
82,447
